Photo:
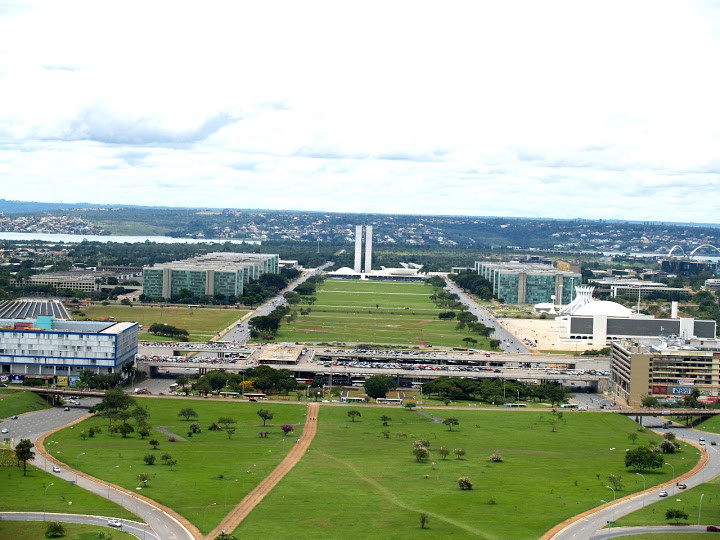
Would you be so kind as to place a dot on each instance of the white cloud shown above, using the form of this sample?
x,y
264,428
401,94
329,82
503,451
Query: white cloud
x,y
567,109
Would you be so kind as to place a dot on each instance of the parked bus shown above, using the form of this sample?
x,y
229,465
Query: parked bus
x,y
348,399
389,401
569,406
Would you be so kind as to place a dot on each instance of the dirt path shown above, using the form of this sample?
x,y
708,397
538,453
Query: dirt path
x,y
252,499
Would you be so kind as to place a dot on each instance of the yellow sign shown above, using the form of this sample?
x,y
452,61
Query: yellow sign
x,y
62,381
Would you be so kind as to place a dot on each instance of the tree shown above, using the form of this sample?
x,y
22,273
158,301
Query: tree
x,y
188,413
230,432
125,428
633,437
114,401
154,443
287,428
54,529
615,480
165,457
443,452
352,413
378,386
149,459
226,421
649,402
410,405
464,483
642,458
677,515
143,477
24,453
450,422
668,446
143,431
459,452
385,419
420,452
265,415
423,520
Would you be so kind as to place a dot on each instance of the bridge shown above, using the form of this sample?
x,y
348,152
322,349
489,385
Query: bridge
x,y
668,412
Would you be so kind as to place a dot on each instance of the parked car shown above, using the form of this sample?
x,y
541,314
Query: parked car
x,y
663,493
114,522
4,430
14,417
67,408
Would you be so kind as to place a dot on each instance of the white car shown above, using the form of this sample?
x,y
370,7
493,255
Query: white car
x,y
4,430
663,493
56,469
114,523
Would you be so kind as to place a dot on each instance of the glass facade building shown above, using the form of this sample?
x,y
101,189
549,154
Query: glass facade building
x,y
523,283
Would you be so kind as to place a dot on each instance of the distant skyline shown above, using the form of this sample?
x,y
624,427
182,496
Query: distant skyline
x,y
559,109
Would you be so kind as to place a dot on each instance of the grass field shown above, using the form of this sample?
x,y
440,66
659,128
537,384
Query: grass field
x,y
17,402
203,323
375,312
29,530
211,467
356,483
711,425
27,493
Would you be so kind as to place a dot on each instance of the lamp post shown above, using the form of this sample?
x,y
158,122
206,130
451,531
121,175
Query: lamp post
x,y
226,490
700,508
111,470
45,498
643,477
205,508
77,464
611,489
673,468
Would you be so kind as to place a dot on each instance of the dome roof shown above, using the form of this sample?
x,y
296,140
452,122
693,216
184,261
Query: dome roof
x,y
345,270
604,307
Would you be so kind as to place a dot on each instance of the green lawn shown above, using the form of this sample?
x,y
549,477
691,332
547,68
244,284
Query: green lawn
x,y
375,312
202,323
210,466
17,402
28,493
356,483
711,425
35,530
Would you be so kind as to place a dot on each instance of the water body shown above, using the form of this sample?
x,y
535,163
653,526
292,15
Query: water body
x,y
77,238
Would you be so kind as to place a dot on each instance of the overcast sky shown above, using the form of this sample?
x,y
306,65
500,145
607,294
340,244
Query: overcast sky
x,y
542,109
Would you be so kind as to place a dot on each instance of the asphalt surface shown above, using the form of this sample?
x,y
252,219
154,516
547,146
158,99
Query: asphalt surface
x,y
132,527
589,527
33,425
508,342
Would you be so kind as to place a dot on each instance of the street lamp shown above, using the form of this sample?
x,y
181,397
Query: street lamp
x,y
700,508
643,477
226,490
111,470
45,498
611,489
77,464
673,468
205,508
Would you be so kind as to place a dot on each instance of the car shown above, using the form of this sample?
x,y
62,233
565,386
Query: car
x,y
252,399
67,408
13,417
702,443
702,439
712,528
114,523
713,443
56,469
4,430
682,486
663,493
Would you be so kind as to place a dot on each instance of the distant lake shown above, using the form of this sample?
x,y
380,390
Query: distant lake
x,y
77,238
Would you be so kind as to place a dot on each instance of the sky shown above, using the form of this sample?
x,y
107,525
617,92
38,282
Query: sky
x,y
567,109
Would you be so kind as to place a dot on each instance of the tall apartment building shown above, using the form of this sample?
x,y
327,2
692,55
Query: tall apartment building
x,y
523,283
363,246
58,351
207,275
665,370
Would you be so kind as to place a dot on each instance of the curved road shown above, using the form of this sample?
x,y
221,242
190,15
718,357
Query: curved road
x,y
591,525
133,527
36,425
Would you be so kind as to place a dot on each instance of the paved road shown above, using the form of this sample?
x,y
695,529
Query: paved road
x,y
625,531
508,342
133,527
34,425
589,527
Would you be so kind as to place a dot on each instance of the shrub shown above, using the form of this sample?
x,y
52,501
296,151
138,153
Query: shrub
x,y
443,452
491,501
171,439
214,427
668,446
287,428
464,483
149,459
55,529
459,452
154,443
496,458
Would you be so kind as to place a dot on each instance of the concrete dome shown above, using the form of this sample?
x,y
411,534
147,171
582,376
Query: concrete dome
x,y
604,307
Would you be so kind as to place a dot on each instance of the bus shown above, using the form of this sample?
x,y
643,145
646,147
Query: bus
x,y
569,406
389,401
515,405
348,399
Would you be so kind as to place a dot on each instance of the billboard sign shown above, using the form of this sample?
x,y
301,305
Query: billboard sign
x,y
686,382
74,381
62,381
659,389
17,379
681,390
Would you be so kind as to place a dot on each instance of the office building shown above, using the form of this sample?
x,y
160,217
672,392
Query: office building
x,y
668,370
363,246
58,351
212,274
527,283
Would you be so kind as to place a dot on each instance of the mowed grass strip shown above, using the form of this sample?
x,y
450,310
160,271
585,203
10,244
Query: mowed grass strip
x,y
14,402
375,312
202,323
212,468
355,482
35,530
